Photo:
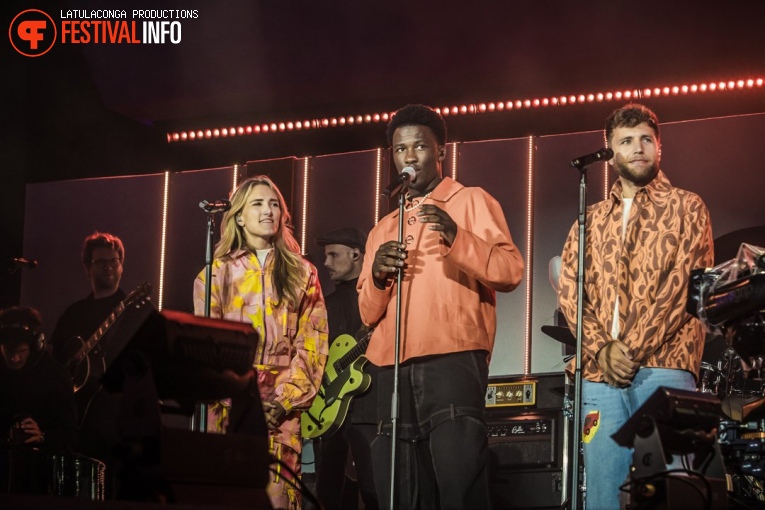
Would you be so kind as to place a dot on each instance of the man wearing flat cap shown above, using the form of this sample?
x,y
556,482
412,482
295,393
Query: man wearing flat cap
x,y
344,253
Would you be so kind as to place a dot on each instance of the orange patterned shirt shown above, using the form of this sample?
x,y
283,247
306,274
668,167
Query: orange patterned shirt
x,y
669,233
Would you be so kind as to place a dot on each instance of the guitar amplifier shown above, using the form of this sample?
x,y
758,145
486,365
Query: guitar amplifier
x,y
528,439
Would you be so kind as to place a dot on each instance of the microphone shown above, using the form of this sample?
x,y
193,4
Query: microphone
x,y
215,206
588,159
22,262
406,174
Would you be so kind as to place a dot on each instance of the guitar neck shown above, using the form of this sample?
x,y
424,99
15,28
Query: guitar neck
x,y
96,336
352,355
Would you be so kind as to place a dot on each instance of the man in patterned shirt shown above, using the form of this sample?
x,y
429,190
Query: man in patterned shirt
x,y
641,245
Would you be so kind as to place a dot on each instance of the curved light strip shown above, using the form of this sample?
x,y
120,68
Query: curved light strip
x,y
163,243
468,109
529,252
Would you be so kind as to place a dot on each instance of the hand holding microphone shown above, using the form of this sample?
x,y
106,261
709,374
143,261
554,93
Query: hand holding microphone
x,y
389,258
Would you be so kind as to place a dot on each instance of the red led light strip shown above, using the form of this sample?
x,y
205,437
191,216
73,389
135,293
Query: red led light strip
x,y
465,109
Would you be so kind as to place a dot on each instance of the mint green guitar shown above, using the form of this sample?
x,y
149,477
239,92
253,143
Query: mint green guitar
x,y
343,379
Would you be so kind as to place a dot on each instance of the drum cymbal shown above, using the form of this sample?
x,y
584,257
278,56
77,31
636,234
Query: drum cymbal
x,y
561,334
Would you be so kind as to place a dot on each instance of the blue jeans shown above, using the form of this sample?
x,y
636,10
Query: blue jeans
x,y
604,410
443,452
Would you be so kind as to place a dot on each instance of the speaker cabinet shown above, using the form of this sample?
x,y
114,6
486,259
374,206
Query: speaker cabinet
x,y
528,435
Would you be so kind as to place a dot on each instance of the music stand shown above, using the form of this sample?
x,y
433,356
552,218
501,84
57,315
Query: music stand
x,y
175,355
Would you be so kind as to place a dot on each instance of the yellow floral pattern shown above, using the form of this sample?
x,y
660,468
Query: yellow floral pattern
x,y
293,344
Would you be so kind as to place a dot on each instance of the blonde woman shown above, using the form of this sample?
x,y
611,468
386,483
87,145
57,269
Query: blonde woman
x,y
259,277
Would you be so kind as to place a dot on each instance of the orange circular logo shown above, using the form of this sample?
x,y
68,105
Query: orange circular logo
x,y
32,33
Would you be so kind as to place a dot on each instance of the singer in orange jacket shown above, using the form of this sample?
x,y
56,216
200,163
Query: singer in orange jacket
x,y
457,253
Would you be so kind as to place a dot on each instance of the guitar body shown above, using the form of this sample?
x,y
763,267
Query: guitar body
x,y
85,359
340,384
79,369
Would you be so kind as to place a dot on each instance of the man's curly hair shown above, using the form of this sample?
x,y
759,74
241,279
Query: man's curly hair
x,y
418,115
630,116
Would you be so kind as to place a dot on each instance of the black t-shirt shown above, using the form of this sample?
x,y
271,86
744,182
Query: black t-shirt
x,y
82,319
97,408
343,317
343,310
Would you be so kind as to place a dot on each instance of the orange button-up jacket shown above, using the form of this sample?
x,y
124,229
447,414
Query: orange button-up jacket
x,y
448,293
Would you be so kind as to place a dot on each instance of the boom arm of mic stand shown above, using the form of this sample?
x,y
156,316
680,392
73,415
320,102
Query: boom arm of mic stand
x,y
396,351
575,493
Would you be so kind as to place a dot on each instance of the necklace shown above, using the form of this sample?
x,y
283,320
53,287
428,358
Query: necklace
x,y
417,202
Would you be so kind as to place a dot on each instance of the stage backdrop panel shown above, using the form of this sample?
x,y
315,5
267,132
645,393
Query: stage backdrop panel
x,y
341,193
719,160
58,217
186,238
715,158
501,168
555,209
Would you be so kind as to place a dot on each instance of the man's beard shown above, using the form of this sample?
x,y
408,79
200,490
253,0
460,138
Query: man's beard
x,y
640,179
106,283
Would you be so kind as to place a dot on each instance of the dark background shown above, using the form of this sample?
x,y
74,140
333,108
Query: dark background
x,y
104,110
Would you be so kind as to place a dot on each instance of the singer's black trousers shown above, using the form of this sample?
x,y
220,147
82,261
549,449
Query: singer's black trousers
x,y
443,455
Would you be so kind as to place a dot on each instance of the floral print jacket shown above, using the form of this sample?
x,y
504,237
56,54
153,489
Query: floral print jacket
x,y
293,346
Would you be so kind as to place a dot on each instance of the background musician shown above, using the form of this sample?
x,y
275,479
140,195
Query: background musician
x,y
36,397
103,256
344,254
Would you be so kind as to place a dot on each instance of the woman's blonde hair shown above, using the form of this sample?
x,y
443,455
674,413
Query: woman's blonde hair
x,y
288,266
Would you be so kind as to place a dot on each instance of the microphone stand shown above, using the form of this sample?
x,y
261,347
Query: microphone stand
x,y
200,416
397,347
574,478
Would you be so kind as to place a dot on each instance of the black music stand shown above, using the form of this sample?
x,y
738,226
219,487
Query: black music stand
x,y
175,355
670,423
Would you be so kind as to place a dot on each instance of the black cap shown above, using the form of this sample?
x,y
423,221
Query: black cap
x,y
348,236
19,324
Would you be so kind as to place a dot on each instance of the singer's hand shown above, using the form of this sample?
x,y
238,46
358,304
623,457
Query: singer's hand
x,y
389,257
274,412
616,361
439,221
241,382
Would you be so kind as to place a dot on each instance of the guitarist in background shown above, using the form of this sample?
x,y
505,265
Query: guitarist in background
x,y
344,254
103,255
